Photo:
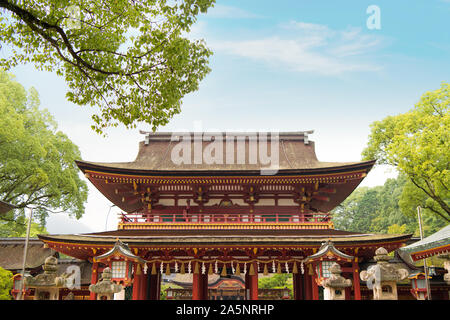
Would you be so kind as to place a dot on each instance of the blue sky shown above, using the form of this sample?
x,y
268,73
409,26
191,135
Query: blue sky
x,y
287,66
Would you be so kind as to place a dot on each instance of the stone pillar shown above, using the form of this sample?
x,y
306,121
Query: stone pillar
x,y
335,287
383,276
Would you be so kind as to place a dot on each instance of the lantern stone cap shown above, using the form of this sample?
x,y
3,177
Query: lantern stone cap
x,y
121,250
336,281
49,278
381,255
329,250
384,270
106,286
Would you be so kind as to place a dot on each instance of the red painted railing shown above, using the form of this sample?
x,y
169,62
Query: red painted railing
x,y
225,218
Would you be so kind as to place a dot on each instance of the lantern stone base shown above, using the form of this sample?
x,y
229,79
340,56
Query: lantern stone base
x,y
386,290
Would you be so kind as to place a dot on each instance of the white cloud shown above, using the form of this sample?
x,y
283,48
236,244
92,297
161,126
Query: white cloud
x,y
308,47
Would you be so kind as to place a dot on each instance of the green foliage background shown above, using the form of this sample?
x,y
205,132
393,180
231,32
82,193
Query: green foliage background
x,y
377,210
37,165
6,284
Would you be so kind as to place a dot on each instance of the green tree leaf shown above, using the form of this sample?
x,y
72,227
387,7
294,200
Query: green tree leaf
x,y
417,143
37,165
129,59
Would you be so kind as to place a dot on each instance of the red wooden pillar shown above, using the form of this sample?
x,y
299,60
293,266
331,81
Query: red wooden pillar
x,y
137,283
298,286
204,286
144,282
308,287
356,284
196,286
94,278
154,283
315,286
251,284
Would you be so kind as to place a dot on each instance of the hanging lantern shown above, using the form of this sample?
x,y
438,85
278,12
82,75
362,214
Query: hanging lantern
x,y
121,269
419,285
322,269
120,260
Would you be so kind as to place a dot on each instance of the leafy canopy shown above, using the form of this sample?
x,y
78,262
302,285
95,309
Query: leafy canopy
x,y
129,58
37,167
417,143
379,210
6,284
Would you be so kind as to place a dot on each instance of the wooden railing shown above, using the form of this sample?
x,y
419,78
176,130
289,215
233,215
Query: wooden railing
x,y
206,218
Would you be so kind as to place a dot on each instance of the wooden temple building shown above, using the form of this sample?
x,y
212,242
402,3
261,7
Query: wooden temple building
x,y
228,216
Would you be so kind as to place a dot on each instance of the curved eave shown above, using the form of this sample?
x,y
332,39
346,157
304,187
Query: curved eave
x,y
110,168
347,177
326,251
218,240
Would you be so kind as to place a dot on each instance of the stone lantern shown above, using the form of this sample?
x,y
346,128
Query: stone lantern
x,y
383,276
328,256
334,286
446,258
46,286
105,288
